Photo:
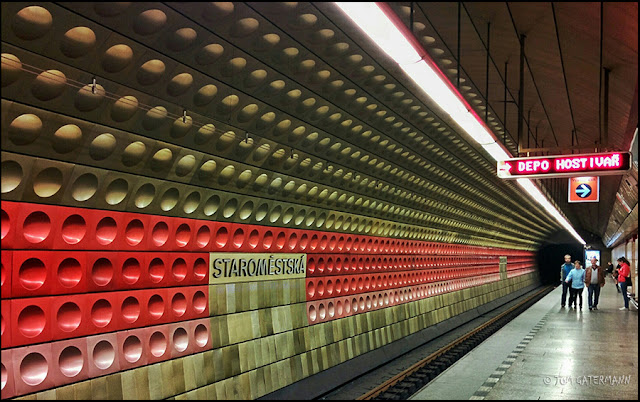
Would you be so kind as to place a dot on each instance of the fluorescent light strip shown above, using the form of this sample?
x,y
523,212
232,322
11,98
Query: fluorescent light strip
x,y
391,39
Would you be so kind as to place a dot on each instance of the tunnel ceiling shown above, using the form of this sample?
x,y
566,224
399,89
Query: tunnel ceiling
x,y
288,103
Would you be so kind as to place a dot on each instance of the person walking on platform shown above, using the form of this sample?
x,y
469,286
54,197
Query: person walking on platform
x,y
564,271
594,279
576,278
623,274
610,271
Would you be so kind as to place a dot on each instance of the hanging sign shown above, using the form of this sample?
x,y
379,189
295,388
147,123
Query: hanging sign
x,y
549,167
584,189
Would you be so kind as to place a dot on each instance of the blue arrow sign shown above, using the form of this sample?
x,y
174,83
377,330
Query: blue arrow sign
x,y
583,190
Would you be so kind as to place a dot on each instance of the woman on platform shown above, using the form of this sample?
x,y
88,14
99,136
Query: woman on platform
x,y
576,278
623,273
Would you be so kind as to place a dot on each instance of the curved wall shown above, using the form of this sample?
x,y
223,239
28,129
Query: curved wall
x,y
201,221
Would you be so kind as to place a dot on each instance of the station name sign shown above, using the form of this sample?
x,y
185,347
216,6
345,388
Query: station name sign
x,y
240,267
601,164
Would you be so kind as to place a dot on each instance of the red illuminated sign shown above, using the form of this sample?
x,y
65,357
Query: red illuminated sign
x,y
601,164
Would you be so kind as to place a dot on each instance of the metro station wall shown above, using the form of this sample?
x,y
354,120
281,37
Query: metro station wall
x,y
110,213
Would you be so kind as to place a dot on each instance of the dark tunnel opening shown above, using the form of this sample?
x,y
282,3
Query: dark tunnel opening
x,y
551,257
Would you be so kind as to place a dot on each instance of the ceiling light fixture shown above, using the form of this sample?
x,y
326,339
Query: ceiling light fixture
x,y
389,33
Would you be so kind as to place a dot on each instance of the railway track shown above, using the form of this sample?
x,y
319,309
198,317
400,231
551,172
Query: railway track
x,y
409,381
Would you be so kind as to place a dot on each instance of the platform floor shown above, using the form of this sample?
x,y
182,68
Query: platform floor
x,y
551,353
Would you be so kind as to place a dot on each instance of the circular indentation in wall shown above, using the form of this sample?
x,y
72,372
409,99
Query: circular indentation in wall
x,y
201,335
102,146
11,175
104,353
230,208
200,269
211,205
32,22
69,317
71,361
134,232
205,95
203,236
160,233
124,108
181,39
156,307
32,274
67,138
74,229
156,270
34,369
313,314
132,349
244,27
246,210
102,272
161,160
181,126
185,165
101,313
24,129
48,182
117,58
179,269
154,118
179,84
149,22
77,42
209,54
169,199
183,234
106,231
179,304
130,309
191,202
131,271
84,187
150,72
11,69
247,113
116,191
144,196
180,339
222,236
204,134
49,85
89,97
133,153
69,272
31,321
157,344
199,302
36,227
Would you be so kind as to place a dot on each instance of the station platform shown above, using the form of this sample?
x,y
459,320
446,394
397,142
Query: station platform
x,y
549,352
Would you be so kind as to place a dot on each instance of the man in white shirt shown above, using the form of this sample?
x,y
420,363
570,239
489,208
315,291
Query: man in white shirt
x,y
594,280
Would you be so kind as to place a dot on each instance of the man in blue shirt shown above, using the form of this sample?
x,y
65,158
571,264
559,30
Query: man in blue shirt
x,y
564,271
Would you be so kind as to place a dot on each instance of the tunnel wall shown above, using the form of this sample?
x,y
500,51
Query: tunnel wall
x,y
149,325
114,213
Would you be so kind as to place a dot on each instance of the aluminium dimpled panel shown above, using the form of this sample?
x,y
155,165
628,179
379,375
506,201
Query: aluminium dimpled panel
x,y
5,311
8,389
6,269
132,349
33,368
70,361
30,320
102,351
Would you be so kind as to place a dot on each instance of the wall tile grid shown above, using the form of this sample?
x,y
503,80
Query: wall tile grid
x,y
110,208
70,307
313,349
